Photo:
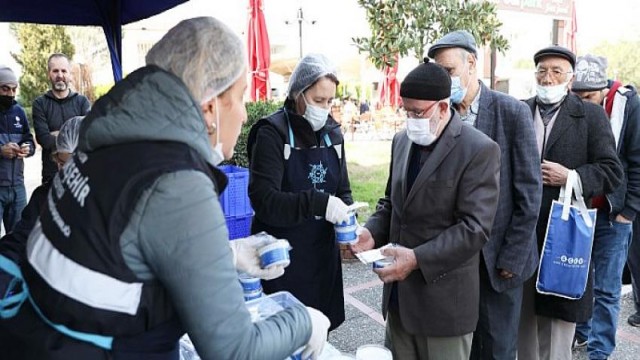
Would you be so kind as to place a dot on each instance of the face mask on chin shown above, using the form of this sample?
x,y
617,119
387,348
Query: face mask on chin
x,y
315,115
419,130
551,94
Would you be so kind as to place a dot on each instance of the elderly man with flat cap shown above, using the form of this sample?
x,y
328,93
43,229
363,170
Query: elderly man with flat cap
x,y
438,207
511,255
572,135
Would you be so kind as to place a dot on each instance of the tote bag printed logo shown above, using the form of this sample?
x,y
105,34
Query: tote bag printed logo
x,y
566,253
570,261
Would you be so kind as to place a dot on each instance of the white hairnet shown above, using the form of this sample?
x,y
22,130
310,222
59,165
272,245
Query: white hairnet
x,y
204,52
67,139
311,68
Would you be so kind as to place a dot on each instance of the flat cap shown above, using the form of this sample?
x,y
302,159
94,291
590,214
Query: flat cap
x,y
591,73
428,81
459,38
557,51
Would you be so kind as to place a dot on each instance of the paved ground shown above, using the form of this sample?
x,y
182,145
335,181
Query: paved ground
x,y
363,291
364,323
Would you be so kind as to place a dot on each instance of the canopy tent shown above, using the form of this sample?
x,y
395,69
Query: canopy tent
x,y
109,14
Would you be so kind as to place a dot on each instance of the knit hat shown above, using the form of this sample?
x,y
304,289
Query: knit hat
x,y
7,76
459,38
557,51
591,73
428,81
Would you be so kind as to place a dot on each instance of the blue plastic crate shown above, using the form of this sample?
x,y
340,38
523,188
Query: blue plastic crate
x,y
235,198
239,226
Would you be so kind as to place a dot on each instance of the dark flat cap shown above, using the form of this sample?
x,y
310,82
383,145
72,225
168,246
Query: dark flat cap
x,y
591,73
459,38
428,81
557,51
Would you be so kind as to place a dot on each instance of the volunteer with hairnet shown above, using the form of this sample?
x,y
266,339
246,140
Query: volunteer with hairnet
x,y
15,333
299,186
131,249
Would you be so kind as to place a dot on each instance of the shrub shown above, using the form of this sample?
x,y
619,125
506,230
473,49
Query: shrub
x,y
255,111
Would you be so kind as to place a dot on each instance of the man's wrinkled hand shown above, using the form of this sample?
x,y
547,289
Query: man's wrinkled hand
x,y
505,274
554,174
404,263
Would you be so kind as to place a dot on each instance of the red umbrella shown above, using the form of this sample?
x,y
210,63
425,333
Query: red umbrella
x,y
390,89
259,52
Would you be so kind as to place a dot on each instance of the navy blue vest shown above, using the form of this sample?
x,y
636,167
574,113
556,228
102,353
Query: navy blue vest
x,y
87,209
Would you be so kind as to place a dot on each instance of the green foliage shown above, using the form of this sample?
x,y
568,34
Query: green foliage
x,y
255,111
367,184
37,43
620,56
102,89
402,26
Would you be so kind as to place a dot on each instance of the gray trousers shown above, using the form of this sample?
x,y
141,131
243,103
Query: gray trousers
x,y
496,337
405,346
541,337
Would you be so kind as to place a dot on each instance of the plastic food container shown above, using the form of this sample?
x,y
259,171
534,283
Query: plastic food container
x,y
275,253
346,231
269,305
373,352
249,283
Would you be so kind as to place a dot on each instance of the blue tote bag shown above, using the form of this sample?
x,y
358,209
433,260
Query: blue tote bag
x,y
566,253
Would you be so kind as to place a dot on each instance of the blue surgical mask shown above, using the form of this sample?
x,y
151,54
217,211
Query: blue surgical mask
x,y
315,115
457,91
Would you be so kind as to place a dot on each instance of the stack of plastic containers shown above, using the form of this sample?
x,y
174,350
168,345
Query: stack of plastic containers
x,y
266,306
235,202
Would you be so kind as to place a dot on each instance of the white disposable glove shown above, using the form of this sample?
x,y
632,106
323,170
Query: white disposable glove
x,y
247,260
320,327
337,211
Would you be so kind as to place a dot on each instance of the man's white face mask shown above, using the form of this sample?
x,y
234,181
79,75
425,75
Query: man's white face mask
x,y
420,131
551,94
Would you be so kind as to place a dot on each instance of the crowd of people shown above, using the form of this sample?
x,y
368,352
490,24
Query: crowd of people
x,y
118,259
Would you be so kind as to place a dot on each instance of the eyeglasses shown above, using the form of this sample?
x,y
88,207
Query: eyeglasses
x,y
555,73
421,114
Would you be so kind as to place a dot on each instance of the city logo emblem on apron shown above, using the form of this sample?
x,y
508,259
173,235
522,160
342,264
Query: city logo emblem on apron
x,y
317,174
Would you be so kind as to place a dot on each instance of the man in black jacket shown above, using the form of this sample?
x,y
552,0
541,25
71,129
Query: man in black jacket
x,y
573,135
616,210
53,108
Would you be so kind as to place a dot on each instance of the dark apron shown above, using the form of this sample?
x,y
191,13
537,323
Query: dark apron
x,y
315,273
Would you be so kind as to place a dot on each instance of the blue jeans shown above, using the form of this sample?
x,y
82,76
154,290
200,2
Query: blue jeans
x,y
633,261
13,199
610,248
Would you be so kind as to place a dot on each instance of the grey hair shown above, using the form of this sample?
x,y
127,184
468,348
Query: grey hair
x,y
205,53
